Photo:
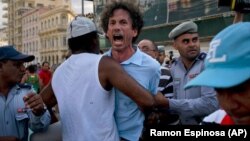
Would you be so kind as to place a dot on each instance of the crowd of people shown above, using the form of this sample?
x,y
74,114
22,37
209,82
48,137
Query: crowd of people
x,y
108,96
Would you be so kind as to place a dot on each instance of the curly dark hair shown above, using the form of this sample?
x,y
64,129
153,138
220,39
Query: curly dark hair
x,y
134,13
31,68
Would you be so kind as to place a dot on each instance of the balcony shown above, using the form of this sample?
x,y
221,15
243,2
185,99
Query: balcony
x,y
5,1
5,23
53,29
22,8
5,8
5,15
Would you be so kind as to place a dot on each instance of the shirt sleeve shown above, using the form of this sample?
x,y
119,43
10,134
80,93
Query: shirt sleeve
x,y
39,123
154,81
201,106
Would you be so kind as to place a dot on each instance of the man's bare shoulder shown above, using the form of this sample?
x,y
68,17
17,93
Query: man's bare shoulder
x,y
108,61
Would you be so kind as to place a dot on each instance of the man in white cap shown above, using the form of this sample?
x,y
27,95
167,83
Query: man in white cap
x,y
82,86
19,108
194,103
229,55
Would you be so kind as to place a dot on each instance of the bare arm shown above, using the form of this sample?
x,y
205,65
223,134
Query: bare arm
x,y
112,74
48,96
24,78
238,17
161,101
40,83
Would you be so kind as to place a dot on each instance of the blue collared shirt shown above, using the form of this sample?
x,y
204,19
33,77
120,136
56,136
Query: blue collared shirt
x,y
14,120
194,103
145,70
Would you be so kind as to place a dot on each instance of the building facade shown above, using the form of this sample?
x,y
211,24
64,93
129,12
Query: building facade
x,y
3,38
15,10
30,29
161,16
52,34
33,35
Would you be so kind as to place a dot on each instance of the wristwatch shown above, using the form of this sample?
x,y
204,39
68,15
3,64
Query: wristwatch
x,y
43,110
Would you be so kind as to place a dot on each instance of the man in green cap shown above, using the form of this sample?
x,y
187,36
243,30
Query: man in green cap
x,y
229,55
194,103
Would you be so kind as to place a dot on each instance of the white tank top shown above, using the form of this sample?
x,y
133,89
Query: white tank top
x,y
86,108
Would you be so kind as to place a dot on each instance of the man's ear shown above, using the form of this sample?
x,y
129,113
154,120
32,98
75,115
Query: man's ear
x,y
174,46
135,32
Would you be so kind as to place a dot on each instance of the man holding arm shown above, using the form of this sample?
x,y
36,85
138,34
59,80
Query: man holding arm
x,y
229,55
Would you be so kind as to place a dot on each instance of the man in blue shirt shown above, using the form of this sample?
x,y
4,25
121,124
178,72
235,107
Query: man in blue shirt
x,y
20,108
228,55
195,103
122,23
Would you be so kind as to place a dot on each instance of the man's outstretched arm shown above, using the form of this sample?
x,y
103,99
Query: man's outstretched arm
x,y
48,96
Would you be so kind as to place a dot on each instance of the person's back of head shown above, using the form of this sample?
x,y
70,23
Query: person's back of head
x,y
134,13
31,69
82,36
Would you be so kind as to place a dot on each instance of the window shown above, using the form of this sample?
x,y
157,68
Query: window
x,y
64,41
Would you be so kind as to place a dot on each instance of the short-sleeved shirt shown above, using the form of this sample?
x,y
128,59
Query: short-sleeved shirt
x,y
196,102
15,119
146,71
166,82
45,76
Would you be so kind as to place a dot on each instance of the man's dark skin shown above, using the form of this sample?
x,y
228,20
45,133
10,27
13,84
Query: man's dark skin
x,y
111,74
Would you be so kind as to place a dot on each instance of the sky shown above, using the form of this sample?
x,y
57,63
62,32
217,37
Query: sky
x,y
77,5
88,8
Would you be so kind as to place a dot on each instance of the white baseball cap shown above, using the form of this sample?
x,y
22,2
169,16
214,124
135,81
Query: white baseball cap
x,y
80,26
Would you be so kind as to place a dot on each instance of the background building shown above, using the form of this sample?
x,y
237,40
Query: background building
x,y
39,27
161,16
52,34
45,38
31,26
3,38
15,9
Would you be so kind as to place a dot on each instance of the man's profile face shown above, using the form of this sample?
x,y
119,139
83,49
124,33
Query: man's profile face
x,y
12,71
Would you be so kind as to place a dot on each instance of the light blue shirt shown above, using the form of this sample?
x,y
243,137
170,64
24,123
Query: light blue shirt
x,y
145,70
14,122
196,102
